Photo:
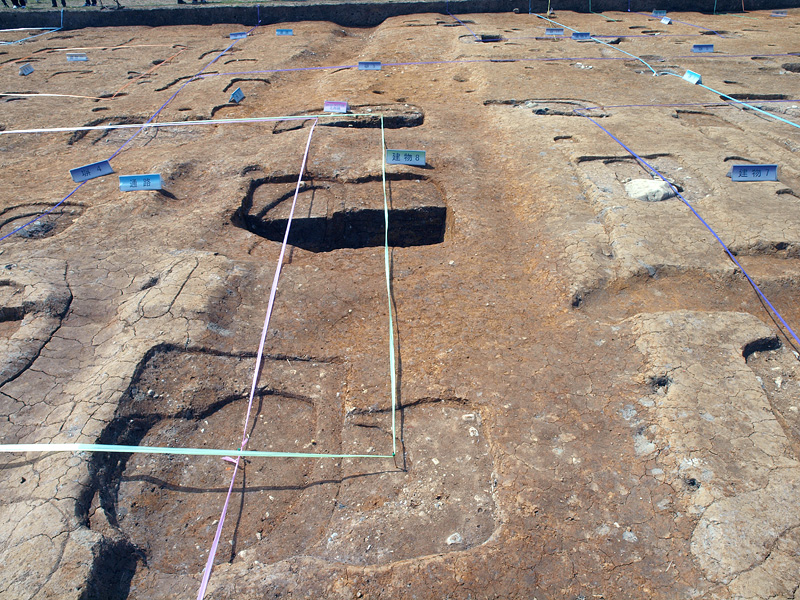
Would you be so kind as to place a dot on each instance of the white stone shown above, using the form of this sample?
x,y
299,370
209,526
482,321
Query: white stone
x,y
629,536
649,190
454,539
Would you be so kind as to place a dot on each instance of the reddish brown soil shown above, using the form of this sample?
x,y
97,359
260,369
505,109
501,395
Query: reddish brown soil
x,y
592,401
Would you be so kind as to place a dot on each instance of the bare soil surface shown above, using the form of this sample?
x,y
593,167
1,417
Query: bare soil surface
x,y
593,401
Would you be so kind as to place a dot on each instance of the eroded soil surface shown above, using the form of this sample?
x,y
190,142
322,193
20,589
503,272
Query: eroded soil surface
x,y
593,401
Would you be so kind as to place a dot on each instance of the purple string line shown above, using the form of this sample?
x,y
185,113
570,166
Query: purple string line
x,y
213,551
47,212
655,35
637,35
447,5
130,139
480,60
421,63
696,214
310,116
178,91
681,22
705,104
720,55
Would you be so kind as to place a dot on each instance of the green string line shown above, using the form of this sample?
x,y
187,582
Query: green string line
x,y
605,17
18,448
641,60
767,113
392,375
601,14
162,450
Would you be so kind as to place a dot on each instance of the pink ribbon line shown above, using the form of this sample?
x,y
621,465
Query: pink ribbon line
x,y
213,551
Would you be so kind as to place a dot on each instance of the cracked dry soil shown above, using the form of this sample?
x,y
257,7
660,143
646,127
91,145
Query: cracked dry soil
x,y
593,401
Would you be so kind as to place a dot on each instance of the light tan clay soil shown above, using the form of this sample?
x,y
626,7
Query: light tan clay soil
x,y
594,403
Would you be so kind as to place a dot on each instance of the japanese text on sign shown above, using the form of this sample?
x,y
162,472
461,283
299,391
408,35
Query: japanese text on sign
x,y
86,172
132,183
237,95
754,173
405,157
335,107
692,77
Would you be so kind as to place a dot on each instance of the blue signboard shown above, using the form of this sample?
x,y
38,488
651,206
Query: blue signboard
x,y
133,183
754,173
87,172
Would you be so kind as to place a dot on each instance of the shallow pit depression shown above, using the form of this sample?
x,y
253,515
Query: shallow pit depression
x,y
331,215
443,500
167,506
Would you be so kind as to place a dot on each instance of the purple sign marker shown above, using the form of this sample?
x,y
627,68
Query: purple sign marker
x,y
335,107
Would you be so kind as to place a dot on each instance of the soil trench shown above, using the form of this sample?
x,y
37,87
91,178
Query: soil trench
x,y
584,396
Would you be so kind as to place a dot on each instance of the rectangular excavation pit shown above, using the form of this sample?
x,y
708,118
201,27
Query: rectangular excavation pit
x,y
440,503
333,215
164,506
611,173
395,116
562,107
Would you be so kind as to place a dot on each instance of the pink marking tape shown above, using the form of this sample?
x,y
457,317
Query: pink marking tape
x,y
213,552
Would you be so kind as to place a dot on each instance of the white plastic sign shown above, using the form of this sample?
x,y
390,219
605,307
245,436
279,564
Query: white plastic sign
x,y
692,77
406,157
335,107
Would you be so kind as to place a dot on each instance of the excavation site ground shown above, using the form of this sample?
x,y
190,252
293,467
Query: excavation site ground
x,y
586,395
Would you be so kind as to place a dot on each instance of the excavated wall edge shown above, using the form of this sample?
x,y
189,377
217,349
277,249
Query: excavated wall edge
x,y
346,14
